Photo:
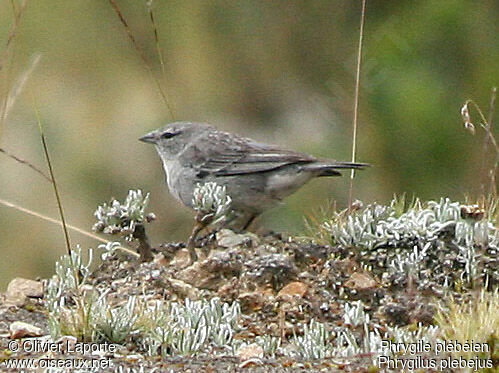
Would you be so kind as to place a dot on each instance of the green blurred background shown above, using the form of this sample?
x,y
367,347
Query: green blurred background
x,y
278,71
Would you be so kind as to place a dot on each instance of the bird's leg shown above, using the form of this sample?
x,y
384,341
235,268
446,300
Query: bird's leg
x,y
144,248
202,221
239,223
198,227
249,221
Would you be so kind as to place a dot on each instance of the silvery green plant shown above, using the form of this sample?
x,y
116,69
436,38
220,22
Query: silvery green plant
x,y
190,328
317,341
355,315
314,343
269,343
346,344
122,218
421,240
406,335
109,249
78,309
410,263
380,226
71,273
127,219
115,324
211,202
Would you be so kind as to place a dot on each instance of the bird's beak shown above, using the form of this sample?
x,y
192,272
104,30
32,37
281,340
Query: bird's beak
x,y
149,137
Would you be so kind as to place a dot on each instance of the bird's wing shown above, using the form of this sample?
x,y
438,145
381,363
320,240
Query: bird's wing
x,y
224,154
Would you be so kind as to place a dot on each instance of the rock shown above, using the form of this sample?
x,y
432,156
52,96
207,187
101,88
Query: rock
x,y
274,269
19,329
250,362
182,259
396,313
229,239
229,291
306,254
292,290
67,342
26,287
161,260
19,289
250,351
227,262
199,276
361,281
214,271
183,289
255,300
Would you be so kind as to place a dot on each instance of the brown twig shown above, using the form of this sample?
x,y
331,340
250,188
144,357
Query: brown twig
x,y
356,100
25,162
141,53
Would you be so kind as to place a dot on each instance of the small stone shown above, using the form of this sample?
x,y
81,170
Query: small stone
x,y
25,287
292,290
226,262
229,239
160,260
184,290
19,289
250,351
250,362
273,269
199,276
361,281
396,313
255,300
135,358
182,259
67,342
19,329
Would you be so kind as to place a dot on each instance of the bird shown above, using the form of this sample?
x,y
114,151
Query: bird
x,y
257,176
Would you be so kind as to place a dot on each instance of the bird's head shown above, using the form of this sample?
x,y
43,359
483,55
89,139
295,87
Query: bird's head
x,y
174,137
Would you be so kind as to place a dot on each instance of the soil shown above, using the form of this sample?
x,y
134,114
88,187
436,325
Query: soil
x,y
281,284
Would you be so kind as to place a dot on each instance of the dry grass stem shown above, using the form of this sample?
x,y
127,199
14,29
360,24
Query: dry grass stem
x,y
476,320
141,53
50,220
18,87
356,100
54,184
156,38
25,162
18,14
489,136
58,222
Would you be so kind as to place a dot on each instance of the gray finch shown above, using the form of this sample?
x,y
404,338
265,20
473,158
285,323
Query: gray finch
x,y
257,176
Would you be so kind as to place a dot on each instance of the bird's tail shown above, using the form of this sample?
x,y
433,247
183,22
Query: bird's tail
x,y
330,168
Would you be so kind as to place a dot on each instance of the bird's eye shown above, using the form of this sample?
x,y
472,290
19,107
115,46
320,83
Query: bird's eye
x,y
169,135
